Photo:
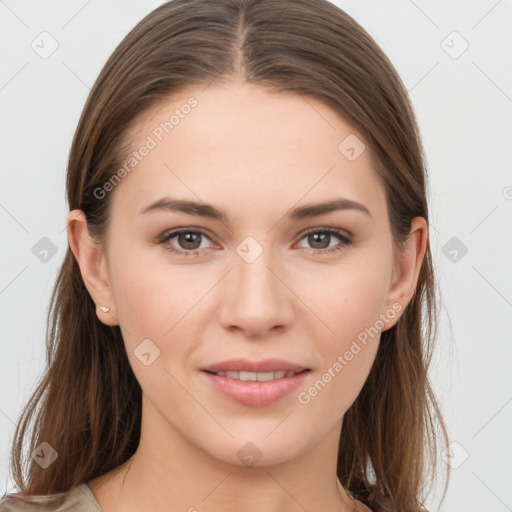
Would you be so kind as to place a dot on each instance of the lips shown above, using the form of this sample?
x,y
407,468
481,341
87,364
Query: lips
x,y
264,366
255,383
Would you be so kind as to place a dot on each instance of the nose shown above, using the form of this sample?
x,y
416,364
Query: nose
x,y
257,297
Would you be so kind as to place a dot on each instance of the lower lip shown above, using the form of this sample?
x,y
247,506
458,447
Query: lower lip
x,y
254,393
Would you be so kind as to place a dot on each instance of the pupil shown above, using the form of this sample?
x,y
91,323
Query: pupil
x,y
189,238
322,236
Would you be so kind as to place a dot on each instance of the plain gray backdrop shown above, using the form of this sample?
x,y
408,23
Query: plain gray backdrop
x,y
455,60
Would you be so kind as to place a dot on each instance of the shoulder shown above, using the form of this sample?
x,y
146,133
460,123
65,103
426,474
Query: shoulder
x,y
78,499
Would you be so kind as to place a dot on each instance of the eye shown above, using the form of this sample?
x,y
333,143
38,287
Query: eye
x,y
320,236
186,238
190,240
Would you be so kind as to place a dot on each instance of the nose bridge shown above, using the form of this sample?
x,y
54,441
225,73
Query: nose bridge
x,y
257,285
259,299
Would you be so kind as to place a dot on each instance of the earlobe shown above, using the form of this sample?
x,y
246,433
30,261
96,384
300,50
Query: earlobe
x,y
407,268
91,261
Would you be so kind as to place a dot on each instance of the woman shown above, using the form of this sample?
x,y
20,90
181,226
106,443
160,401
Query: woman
x,y
245,316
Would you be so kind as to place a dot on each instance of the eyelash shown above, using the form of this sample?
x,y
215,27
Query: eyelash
x,y
345,240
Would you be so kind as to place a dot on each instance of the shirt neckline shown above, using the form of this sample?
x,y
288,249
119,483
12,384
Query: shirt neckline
x,y
85,489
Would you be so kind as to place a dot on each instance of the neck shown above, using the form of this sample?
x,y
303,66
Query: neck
x,y
168,472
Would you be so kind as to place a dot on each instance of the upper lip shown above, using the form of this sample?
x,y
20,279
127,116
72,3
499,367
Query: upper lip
x,y
265,365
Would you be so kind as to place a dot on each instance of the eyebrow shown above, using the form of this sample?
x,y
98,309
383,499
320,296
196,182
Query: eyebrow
x,y
210,211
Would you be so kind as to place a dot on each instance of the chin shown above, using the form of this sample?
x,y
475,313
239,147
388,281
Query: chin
x,y
257,450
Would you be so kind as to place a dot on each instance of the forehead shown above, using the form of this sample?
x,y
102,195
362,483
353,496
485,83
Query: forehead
x,y
240,144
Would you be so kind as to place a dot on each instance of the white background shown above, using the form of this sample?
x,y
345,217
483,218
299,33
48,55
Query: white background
x,y
464,109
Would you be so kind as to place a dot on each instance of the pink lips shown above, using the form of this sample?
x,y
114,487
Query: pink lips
x,y
255,393
266,365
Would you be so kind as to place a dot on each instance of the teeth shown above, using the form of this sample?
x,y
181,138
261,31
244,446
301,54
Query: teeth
x,y
253,376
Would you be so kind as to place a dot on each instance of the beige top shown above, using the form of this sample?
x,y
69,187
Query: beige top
x,y
78,499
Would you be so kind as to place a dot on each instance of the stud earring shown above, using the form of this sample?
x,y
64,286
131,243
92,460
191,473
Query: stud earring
x,y
105,309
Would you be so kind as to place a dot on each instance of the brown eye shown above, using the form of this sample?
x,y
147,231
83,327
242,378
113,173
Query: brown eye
x,y
188,241
320,239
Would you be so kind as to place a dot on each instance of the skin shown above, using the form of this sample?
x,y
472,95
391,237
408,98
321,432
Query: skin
x,y
256,154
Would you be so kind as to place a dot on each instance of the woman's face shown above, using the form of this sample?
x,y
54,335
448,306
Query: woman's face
x,y
264,281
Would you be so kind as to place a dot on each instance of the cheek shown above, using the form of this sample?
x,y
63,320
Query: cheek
x,y
155,306
151,298
347,354
351,299
350,306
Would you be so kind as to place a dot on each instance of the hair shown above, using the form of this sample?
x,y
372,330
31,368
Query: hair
x,y
89,400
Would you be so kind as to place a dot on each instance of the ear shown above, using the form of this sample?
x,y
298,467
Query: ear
x,y
406,270
91,260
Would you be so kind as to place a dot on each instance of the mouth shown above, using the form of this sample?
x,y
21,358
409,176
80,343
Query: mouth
x,y
248,366
255,384
257,376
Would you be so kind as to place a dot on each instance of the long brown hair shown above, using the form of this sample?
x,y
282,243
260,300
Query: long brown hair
x,y
89,399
